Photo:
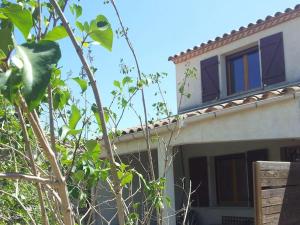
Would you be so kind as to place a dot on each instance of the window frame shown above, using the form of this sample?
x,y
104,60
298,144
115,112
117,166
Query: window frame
x,y
218,191
229,79
247,156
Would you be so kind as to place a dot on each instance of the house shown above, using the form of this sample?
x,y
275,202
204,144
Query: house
x,y
244,107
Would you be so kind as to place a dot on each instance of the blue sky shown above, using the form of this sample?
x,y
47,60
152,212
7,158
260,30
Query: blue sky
x,y
159,29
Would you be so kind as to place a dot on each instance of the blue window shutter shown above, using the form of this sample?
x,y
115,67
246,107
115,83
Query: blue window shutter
x,y
210,79
272,59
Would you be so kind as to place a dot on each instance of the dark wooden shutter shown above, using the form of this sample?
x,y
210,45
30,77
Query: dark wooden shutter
x,y
272,59
210,79
199,179
253,156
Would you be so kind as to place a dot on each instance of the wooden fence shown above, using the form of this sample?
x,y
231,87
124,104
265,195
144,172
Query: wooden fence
x,y
277,193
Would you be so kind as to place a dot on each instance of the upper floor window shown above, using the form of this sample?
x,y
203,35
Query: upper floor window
x,y
243,71
246,70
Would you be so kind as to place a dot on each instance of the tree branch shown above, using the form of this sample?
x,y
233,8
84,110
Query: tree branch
x,y
108,146
28,149
27,177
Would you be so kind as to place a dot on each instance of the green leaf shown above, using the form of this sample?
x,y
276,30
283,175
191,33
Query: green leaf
x,y
37,59
94,109
6,43
77,9
79,26
117,84
93,148
101,32
126,179
3,79
2,55
60,98
86,27
2,16
75,117
78,175
127,80
74,132
82,83
20,17
10,83
56,34
63,132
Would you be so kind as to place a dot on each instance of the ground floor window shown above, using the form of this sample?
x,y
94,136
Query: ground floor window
x,y
234,177
231,178
290,154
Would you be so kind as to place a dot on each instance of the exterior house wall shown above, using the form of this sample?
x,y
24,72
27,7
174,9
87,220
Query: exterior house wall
x,y
241,128
291,37
272,119
265,124
214,213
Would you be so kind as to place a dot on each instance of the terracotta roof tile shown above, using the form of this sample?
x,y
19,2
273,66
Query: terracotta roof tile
x,y
230,104
270,94
213,108
290,89
268,22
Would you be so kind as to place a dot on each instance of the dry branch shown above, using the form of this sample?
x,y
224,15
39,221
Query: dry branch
x,y
26,177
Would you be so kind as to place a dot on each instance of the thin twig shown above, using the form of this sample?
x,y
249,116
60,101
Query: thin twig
x,y
27,177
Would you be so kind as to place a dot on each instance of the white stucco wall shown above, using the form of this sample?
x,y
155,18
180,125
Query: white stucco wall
x,y
291,37
260,124
270,119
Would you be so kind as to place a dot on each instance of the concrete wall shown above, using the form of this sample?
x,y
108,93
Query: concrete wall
x,y
291,37
214,213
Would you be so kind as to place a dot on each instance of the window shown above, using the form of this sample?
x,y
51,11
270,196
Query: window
x,y
234,177
290,154
243,71
199,180
231,177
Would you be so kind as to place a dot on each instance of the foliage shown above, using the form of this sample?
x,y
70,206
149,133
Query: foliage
x,y
31,71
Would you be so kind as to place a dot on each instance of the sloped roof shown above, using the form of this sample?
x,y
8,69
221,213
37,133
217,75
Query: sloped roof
x,y
220,106
234,35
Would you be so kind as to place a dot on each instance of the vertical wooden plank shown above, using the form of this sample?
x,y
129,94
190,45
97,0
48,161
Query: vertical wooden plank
x,y
257,193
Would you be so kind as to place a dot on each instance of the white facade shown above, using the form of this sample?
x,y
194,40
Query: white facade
x,y
291,37
269,124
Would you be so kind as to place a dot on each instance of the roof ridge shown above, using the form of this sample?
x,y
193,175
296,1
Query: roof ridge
x,y
268,22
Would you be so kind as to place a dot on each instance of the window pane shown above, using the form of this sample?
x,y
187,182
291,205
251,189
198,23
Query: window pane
x,y
254,70
225,180
231,177
237,76
241,180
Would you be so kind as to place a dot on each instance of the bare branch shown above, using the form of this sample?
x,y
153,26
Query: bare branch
x,y
40,189
26,177
108,146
